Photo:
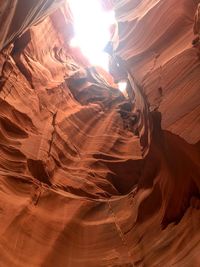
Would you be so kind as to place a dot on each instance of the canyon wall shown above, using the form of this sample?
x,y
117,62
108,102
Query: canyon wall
x,y
87,177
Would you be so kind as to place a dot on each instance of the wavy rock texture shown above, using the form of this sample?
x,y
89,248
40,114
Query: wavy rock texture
x,y
155,38
87,177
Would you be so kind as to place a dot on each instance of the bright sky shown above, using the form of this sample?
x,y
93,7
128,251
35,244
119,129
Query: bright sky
x,y
122,86
91,26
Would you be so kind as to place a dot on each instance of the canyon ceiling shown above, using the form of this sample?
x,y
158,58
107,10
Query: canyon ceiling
x,y
89,178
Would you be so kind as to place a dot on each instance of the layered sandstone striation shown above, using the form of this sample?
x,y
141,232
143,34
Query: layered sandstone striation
x,y
89,178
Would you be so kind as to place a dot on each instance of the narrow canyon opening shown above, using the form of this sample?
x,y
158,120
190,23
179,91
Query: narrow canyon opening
x,y
93,29
99,133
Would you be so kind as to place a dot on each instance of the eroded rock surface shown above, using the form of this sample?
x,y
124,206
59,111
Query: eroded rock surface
x,y
87,177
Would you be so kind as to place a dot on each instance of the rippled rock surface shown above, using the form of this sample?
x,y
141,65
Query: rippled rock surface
x,y
87,177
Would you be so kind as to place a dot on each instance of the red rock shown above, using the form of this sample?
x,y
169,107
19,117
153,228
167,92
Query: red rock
x,y
89,178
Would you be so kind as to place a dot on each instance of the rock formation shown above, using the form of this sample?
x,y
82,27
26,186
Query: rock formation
x,y
89,178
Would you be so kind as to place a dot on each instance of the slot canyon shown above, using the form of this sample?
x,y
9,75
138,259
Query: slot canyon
x,y
91,175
